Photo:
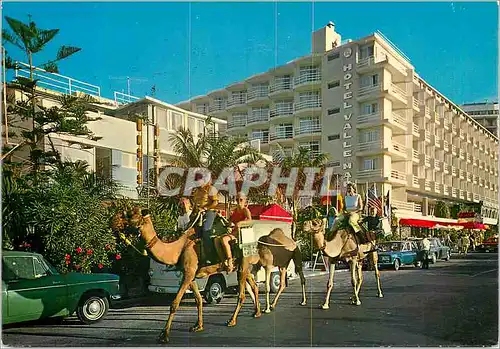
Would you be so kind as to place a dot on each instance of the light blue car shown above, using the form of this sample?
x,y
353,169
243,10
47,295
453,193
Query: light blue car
x,y
394,254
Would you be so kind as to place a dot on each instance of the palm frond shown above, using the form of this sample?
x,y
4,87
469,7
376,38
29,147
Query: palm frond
x,y
42,38
10,38
66,51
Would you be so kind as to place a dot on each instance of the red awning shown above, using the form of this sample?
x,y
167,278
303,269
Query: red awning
x,y
473,225
273,212
419,223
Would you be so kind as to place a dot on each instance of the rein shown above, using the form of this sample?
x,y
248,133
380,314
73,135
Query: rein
x,y
275,245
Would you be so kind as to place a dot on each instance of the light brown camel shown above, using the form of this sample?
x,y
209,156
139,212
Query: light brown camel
x,y
343,246
185,252
276,250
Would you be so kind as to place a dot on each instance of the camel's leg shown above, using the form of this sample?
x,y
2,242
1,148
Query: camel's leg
x,y
303,283
329,285
250,291
354,269
268,289
359,275
198,327
282,287
186,282
255,294
377,274
241,297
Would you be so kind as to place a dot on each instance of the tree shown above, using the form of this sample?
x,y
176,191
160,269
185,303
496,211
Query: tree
x,y
441,210
70,118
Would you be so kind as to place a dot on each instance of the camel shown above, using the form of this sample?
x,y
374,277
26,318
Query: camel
x,y
276,250
343,246
185,252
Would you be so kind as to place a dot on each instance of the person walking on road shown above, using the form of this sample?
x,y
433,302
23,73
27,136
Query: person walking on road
x,y
426,247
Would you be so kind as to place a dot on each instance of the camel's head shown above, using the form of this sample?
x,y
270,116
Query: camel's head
x,y
130,221
316,227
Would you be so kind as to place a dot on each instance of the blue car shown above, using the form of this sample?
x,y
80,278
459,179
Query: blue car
x,y
394,254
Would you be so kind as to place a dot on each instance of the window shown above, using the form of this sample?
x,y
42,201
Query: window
x,y
334,137
369,80
370,108
333,111
334,164
309,96
18,268
370,164
129,160
333,56
202,108
334,84
366,51
161,117
369,136
192,124
176,120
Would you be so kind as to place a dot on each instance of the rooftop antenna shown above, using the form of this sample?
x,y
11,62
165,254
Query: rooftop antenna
x,y
128,78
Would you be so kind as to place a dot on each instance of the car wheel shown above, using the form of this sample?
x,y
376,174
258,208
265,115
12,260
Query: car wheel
x,y
434,258
275,282
448,256
397,264
214,291
92,308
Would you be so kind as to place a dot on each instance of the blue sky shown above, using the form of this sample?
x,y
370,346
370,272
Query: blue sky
x,y
190,49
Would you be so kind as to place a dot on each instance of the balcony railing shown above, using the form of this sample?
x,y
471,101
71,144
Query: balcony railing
x,y
446,168
476,197
217,107
281,134
462,194
446,145
416,103
398,175
282,111
454,192
235,101
462,154
364,174
281,86
258,92
437,165
258,117
416,129
454,149
427,112
437,187
237,123
406,206
461,174
364,146
461,134
415,181
399,120
426,159
469,158
454,129
437,119
307,78
454,171
469,196
366,90
427,185
415,155
398,91
426,135
367,118
445,190
307,104
371,60
399,147
305,129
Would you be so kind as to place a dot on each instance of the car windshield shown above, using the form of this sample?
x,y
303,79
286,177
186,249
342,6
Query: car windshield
x,y
390,246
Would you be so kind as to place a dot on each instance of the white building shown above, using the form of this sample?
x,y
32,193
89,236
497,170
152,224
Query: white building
x,y
485,113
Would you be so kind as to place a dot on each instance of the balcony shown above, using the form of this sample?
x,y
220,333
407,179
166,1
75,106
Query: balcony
x,y
372,62
397,95
263,137
461,174
218,107
426,135
454,149
398,177
469,196
416,104
370,174
454,129
415,182
445,190
462,194
446,168
258,118
237,102
446,124
308,130
415,155
280,112
475,179
454,192
426,185
425,160
281,135
308,106
307,80
397,121
258,95
461,134
280,89
427,113
436,118
437,187
469,158
436,140
415,130
236,123
469,177
437,165
406,206
461,154
445,145
399,149
368,92
454,171
475,197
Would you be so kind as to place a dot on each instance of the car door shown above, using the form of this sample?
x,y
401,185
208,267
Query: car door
x,y
33,292
406,253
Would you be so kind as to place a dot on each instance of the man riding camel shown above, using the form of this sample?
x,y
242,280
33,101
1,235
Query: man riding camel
x,y
353,205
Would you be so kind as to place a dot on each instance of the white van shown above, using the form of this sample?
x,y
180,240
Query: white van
x,y
165,279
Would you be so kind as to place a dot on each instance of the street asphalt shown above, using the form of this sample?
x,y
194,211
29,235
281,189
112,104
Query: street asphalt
x,y
454,303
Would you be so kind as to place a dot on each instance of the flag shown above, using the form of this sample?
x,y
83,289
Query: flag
x,y
387,207
374,201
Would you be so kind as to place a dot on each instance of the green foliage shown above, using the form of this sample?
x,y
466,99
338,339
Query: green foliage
x,y
442,210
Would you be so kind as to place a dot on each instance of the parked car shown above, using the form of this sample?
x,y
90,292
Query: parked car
x,y
489,244
32,289
397,253
438,250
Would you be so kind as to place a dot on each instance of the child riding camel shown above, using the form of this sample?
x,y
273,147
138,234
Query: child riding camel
x,y
353,205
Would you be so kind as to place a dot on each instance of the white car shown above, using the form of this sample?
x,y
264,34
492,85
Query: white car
x,y
165,279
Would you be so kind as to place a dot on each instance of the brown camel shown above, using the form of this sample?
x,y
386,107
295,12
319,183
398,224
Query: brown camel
x,y
185,252
276,250
343,246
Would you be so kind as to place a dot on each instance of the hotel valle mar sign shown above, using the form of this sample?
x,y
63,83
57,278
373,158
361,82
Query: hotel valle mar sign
x,y
347,109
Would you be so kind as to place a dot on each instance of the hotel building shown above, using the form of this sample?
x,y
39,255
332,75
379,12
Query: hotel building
x,y
115,154
485,113
362,103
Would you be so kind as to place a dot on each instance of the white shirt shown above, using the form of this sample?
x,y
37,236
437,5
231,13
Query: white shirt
x,y
426,244
351,202
183,221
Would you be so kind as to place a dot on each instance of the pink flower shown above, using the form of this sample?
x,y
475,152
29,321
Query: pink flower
x,y
100,266
67,261
118,257
89,252
79,250
67,256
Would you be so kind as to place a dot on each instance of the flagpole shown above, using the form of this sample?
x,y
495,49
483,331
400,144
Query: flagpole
x,y
366,199
337,193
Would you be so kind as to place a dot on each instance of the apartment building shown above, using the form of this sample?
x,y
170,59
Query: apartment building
x,y
362,103
486,113
115,154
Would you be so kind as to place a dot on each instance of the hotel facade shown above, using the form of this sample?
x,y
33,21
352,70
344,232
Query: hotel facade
x,y
486,113
363,104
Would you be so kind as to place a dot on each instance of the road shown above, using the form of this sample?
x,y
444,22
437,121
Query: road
x,y
453,303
